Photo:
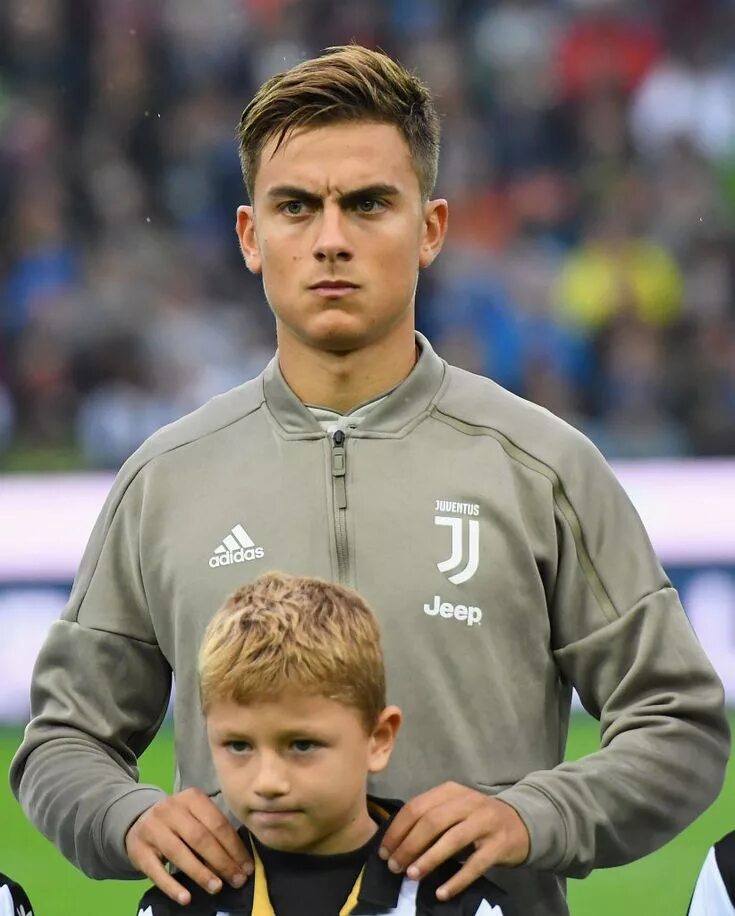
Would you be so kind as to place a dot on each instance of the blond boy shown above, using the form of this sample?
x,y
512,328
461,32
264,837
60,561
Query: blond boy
x,y
292,686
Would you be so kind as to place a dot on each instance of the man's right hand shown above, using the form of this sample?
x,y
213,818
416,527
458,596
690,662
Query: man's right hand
x,y
189,831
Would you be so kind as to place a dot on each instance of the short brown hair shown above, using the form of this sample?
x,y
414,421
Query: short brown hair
x,y
348,83
282,631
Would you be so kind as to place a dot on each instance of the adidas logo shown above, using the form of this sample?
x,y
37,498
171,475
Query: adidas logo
x,y
237,547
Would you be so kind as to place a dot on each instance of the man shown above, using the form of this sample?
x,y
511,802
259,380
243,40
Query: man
x,y
504,561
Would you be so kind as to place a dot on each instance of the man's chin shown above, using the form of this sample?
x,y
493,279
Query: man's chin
x,y
337,337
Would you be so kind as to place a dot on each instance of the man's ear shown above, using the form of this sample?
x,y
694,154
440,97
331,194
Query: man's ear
x,y
245,228
436,220
383,738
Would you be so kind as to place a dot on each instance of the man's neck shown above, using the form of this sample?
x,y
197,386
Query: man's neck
x,y
342,381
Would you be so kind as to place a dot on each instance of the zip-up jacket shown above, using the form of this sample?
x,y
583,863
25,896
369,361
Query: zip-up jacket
x,y
504,562
376,890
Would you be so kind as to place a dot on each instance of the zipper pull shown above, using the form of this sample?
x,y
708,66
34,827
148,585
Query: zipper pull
x,y
338,468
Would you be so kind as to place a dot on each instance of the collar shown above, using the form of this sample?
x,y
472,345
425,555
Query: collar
x,y
402,408
376,888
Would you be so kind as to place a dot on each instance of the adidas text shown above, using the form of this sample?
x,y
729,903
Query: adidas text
x,y
241,555
466,614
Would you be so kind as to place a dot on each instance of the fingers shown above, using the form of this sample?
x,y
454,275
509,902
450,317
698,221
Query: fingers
x,y
459,837
477,864
148,862
410,815
430,825
190,832
211,836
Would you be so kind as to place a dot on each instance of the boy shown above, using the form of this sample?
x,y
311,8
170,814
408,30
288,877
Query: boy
x,y
292,686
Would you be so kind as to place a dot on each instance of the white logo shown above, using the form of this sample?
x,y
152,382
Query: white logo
x,y
487,910
455,558
237,547
148,911
462,612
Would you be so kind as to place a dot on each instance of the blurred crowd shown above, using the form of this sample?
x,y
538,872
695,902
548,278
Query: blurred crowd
x,y
588,156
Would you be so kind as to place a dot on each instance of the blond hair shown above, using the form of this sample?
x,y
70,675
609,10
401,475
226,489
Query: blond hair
x,y
348,83
282,631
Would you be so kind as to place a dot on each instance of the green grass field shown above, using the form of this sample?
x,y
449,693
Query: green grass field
x,y
659,885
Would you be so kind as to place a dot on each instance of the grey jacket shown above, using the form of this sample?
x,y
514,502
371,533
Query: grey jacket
x,y
505,564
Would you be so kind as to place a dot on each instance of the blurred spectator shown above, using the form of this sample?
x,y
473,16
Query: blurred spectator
x,y
690,95
588,154
635,410
614,272
607,45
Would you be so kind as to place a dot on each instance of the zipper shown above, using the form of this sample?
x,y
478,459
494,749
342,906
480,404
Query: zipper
x,y
339,489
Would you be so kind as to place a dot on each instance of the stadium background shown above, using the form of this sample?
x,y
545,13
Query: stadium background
x,y
589,159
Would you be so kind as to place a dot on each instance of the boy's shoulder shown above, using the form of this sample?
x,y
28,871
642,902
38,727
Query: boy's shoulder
x,y
482,898
228,900
380,891
13,899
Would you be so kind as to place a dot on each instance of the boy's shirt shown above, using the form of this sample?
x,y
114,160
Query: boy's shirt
x,y
13,899
350,884
714,894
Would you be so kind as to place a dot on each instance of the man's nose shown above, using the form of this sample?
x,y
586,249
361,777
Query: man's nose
x,y
271,777
332,243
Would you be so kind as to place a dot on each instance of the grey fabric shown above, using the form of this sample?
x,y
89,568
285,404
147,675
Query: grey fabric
x,y
505,564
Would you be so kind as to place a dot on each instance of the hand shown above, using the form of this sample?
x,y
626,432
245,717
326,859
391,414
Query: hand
x,y
440,823
189,831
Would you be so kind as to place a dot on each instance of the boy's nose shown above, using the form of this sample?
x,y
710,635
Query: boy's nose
x,y
271,778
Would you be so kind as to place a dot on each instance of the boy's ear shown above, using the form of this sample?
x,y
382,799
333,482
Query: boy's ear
x,y
383,738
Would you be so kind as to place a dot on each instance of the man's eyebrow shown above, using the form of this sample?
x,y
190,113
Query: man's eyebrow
x,y
292,192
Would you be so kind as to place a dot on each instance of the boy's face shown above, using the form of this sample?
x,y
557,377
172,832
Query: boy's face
x,y
340,204
294,769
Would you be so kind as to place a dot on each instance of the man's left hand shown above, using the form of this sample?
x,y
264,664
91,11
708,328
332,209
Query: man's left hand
x,y
440,823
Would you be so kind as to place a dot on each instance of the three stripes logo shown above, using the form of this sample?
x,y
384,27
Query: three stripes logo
x,y
471,558
237,547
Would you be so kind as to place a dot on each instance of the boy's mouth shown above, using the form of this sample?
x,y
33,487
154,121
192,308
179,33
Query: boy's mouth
x,y
273,816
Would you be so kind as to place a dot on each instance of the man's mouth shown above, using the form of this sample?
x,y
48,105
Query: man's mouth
x,y
333,288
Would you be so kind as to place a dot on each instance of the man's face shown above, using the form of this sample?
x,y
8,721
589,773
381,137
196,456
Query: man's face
x,y
339,231
293,769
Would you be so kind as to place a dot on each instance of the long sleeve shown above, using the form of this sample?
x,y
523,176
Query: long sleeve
x,y
99,693
621,637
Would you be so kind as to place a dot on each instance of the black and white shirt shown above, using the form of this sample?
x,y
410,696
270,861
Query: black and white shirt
x,y
13,899
714,893
296,884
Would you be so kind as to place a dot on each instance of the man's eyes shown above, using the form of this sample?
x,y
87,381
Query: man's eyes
x,y
364,205
293,207
370,205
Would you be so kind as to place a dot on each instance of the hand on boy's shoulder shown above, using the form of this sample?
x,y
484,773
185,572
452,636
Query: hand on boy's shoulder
x,y
156,902
438,824
189,831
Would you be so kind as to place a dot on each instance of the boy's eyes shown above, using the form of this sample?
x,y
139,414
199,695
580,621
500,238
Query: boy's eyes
x,y
300,746
238,747
303,745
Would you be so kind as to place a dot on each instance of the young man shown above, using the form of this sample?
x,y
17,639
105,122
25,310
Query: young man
x,y
505,560
293,692
714,893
